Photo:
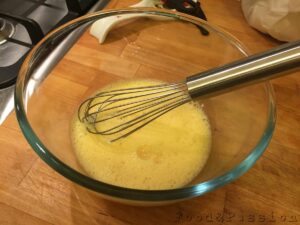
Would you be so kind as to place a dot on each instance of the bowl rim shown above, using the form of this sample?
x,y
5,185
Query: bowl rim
x,y
122,192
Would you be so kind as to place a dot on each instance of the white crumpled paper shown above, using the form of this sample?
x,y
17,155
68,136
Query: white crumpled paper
x,y
278,18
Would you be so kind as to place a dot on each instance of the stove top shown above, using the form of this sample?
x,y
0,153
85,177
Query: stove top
x,y
23,23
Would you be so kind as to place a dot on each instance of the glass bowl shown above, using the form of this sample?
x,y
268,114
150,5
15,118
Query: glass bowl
x,y
157,44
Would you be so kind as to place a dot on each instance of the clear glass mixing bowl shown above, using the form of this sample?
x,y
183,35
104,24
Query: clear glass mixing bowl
x,y
159,44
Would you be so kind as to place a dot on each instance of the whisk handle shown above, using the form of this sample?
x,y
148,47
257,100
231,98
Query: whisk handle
x,y
253,69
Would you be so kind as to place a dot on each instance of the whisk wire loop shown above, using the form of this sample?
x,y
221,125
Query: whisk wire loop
x,y
124,111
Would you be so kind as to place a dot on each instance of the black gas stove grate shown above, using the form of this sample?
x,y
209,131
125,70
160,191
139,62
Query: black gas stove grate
x,y
36,18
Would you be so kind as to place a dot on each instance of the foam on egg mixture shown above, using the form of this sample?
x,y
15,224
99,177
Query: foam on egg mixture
x,y
167,153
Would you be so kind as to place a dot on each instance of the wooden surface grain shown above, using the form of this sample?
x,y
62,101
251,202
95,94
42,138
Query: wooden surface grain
x,y
32,193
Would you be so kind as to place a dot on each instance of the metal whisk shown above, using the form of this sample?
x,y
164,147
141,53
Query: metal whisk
x,y
120,113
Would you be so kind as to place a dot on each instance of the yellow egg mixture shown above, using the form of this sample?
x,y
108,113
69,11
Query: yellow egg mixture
x,y
167,153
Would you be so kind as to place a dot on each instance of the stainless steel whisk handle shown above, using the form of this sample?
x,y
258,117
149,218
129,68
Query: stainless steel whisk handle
x,y
253,69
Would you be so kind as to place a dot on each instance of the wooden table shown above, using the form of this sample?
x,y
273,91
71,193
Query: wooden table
x,y
32,193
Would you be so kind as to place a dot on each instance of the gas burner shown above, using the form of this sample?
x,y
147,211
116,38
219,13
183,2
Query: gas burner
x,y
7,30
